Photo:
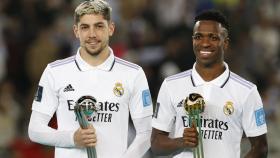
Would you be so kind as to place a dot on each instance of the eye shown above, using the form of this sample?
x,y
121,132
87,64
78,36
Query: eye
x,y
214,37
100,26
84,27
197,37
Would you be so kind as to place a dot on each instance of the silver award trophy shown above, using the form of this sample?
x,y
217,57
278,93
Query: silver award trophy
x,y
85,107
194,106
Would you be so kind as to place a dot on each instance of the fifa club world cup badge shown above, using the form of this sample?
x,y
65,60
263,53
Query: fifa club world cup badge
x,y
84,108
118,89
194,105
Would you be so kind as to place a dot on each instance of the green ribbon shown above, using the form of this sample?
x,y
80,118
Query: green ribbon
x,y
194,117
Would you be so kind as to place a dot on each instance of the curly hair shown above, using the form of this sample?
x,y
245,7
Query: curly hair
x,y
93,7
213,15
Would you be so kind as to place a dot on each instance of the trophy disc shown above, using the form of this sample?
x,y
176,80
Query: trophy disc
x,y
88,104
194,103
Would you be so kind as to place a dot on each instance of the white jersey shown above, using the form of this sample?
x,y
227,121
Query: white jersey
x,y
120,88
232,105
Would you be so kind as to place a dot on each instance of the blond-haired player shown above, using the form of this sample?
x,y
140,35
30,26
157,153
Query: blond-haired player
x,y
119,87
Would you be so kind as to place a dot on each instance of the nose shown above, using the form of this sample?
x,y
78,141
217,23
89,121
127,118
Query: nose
x,y
92,32
205,42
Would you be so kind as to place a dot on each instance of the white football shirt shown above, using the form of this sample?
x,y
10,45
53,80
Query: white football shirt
x,y
120,88
232,105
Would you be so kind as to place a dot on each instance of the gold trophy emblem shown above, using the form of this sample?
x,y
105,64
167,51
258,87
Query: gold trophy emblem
x,y
194,106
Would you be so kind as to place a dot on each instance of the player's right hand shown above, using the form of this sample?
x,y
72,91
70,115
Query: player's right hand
x,y
190,136
85,137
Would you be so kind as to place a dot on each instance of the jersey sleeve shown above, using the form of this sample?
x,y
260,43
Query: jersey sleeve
x,y
46,100
253,117
164,114
140,104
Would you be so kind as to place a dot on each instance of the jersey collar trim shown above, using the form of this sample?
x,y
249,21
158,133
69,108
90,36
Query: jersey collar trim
x,y
107,65
219,81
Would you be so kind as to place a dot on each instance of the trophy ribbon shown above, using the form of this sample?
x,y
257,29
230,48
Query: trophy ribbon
x,y
80,110
194,106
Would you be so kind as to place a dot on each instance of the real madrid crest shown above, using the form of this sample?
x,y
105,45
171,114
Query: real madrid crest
x,y
118,89
228,108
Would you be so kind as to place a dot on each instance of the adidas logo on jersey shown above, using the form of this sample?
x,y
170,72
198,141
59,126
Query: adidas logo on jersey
x,y
180,104
68,88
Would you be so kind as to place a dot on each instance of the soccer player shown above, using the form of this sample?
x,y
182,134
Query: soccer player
x,y
119,87
232,104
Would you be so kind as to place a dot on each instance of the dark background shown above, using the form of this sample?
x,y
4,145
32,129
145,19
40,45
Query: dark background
x,y
155,34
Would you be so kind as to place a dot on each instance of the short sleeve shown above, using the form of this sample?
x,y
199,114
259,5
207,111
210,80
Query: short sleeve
x,y
253,116
140,104
46,100
164,114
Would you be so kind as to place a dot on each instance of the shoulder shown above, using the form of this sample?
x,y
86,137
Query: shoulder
x,y
62,66
62,62
240,81
179,76
125,65
177,81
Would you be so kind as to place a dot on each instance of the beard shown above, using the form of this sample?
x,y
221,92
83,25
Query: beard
x,y
93,52
97,51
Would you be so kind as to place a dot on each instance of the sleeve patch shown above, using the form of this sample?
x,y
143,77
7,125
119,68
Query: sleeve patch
x,y
260,117
39,94
146,97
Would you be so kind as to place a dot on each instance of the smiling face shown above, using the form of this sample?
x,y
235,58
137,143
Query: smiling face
x,y
93,31
209,42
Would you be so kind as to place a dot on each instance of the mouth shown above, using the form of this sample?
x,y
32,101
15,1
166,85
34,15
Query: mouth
x,y
92,43
205,53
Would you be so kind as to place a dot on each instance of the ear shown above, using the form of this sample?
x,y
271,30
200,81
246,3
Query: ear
x,y
226,43
111,28
75,30
192,39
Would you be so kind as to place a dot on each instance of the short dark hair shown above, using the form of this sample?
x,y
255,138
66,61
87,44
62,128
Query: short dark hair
x,y
213,15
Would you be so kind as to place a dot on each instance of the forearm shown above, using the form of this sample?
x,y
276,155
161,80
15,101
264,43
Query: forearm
x,y
141,142
139,146
40,132
162,145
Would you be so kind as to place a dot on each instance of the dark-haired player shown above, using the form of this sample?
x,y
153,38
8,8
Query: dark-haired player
x,y
232,104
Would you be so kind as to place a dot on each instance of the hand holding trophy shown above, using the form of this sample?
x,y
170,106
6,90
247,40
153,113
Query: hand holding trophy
x,y
194,106
86,106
